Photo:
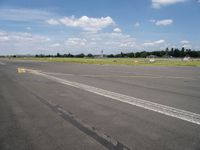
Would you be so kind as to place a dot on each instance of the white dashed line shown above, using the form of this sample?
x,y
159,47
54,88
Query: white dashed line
x,y
163,109
1,63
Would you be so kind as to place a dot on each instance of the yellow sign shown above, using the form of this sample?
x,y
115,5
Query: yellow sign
x,y
21,70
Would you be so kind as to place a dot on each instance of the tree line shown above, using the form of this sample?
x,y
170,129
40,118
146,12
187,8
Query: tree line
x,y
167,53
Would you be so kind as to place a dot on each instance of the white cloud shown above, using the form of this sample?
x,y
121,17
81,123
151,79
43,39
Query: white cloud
x,y
137,24
159,3
159,41
55,45
75,42
154,43
22,43
111,41
4,38
164,22
117,30
52,22
187,46
26,37
85,42
149,44
23,38
28,28
24,15
152,20
84,22
184,42
128,44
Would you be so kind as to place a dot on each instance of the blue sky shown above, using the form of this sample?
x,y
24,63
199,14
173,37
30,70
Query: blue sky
x,y
89,26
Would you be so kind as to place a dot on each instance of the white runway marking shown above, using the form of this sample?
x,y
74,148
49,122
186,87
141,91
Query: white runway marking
x,y
59,74
1,63
163,109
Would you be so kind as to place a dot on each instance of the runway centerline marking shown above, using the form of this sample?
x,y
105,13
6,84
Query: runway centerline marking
x,y
52,73
136,76
119,76
159,108
1,63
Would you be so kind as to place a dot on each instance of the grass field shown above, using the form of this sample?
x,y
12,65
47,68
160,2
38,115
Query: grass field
x,y
122,61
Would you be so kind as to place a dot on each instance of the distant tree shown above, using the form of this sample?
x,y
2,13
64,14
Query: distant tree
x,y
137,54
194,54
182,52
118,55
171,52
130,55
58,55
156,53
110,56
64,55
122,54
176,53
162,53
167,50
90,55
187,52
80,55
143,54
70,55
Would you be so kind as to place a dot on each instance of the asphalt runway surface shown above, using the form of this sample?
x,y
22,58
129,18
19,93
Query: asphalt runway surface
x,y
59,106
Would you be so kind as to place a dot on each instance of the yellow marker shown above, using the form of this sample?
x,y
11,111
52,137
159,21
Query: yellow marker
x,y
21,70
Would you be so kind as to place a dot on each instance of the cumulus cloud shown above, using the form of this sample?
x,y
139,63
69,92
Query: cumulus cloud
x,y
3,36
75,42
26,37
128,44
28,28
159,3
53,22
164,22
86,23
55,45
187,45
159,41
152,20
184,42
112,41
24,15
117,30
137,24
154,43
85,42
23,43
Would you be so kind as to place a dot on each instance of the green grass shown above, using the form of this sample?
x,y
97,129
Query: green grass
x,y
121,61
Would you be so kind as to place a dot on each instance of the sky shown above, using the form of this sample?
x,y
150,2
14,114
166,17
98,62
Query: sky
x,y
90,26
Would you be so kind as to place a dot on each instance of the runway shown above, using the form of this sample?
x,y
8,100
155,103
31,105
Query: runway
x,y
78,106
